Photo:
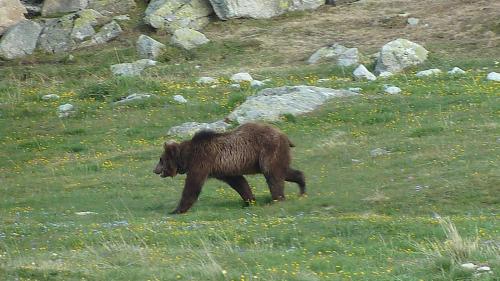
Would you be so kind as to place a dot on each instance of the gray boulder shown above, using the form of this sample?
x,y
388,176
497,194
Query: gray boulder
x,y
188,38
83,25
260,9
11,12
111,7
132,69
148,48
107,33
190,128
56,35
20,40
400,54
171,15
51,7
337,54
270,104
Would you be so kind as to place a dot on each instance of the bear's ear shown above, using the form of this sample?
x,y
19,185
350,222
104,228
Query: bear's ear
x,y
168,143
172,149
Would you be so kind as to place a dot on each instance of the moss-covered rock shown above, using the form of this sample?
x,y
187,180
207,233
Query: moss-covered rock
x,y
171,15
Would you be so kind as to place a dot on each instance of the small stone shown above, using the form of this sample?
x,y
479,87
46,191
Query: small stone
x,y
235,86
50,97
256,83
428,72
356,90
134,97
322,80
413,21
65,110
180,99
379,152
206,80
392,90
493,76
469,266
85,213
122,18
362,73
456,70
385,74
65,107
197,66
241,77
483,268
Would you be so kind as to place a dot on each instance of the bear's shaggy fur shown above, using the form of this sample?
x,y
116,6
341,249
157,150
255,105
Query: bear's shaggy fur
x,y
250,149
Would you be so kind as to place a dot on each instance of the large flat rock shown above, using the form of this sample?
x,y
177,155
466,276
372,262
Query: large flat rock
x,y
270,104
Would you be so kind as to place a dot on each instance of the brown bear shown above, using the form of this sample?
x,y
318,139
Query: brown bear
x,y
250,149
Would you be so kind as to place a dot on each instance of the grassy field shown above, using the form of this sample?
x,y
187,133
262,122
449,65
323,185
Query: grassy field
x,y
416,213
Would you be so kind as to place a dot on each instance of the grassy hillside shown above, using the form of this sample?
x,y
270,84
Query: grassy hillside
x,y
389,217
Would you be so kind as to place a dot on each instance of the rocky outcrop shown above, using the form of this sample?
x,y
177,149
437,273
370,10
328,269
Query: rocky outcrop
x,y
11,12
148,48
171,15
20,40
400,54
270,104
53,7
77,30
337,54
259,9
188,38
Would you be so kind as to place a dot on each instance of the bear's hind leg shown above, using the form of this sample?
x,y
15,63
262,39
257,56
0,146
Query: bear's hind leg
x,y
276,187
297,177
240,184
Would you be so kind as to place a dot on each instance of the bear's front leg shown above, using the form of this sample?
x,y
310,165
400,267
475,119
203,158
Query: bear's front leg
x,y
192,188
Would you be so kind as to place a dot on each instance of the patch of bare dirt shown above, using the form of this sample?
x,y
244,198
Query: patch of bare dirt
x,y
456,27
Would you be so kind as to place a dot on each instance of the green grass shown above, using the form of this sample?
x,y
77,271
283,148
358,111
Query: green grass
x,y
365,218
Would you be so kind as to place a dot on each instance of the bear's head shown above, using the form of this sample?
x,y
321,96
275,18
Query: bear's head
x,y
168,164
